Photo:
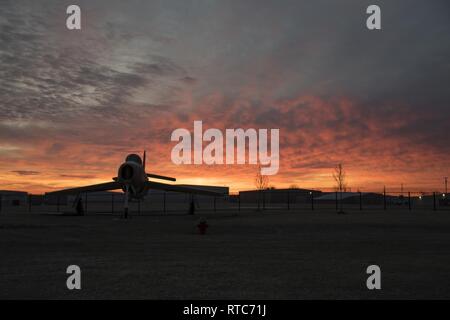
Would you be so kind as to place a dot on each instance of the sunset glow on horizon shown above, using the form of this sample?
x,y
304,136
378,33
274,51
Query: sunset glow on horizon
x,y
371,158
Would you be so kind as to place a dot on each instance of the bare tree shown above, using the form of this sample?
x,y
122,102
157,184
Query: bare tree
x,y
339,177
293,186
341,185
261,181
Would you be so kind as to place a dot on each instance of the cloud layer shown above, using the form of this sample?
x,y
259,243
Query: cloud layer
x,y
73,104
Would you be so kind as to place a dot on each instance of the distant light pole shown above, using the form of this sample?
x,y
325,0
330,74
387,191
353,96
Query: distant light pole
x,y
445,182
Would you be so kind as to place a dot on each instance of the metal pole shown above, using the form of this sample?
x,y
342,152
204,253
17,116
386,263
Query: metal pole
x,y
409,200
434,201
337,208
85,203
360,200
259,199
29,203
312,201
264,200
112,203
239,202
125,203
164,201
445,179
384,198
289,207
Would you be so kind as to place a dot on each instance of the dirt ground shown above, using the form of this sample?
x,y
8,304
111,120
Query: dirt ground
x,y
278,255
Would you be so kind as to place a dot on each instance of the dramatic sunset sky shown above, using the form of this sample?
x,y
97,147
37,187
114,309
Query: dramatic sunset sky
x,y
74,103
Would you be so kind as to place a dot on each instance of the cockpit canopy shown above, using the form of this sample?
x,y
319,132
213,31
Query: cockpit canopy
x,y
134,158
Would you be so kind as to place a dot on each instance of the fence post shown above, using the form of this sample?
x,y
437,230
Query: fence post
x,y
288,202
360,200
337,205
312,200
2,203
164,202
434,201
409,200
215,203
239,201
57,204
29,203
112,203
85,203
384,198
264,200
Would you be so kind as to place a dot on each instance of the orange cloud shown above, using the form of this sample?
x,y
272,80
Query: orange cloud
x,y
376,145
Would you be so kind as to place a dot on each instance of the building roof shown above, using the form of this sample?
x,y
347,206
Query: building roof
x,y
283,190
341,195
13,192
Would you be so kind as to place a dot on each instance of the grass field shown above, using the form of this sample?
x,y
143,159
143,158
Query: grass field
x,y
318,255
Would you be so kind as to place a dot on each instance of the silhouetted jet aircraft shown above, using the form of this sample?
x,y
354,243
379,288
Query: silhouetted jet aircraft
x,y
134,182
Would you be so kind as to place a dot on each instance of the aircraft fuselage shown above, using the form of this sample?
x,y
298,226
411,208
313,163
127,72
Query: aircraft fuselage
x,y
132,174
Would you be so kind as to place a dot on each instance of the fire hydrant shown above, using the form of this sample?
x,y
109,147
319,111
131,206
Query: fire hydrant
x,y
202,226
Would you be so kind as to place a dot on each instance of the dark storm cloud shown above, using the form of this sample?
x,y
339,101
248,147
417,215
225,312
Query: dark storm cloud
x,y
25,172
78,176
189,80
55,148
49,75
287,47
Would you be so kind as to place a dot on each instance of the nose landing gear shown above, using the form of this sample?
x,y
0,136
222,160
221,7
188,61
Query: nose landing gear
x,y
125,203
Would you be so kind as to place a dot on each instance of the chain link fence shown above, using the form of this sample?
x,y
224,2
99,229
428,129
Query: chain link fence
x,y
176,203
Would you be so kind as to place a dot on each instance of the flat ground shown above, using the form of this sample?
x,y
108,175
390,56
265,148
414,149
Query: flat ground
x,y
247,256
